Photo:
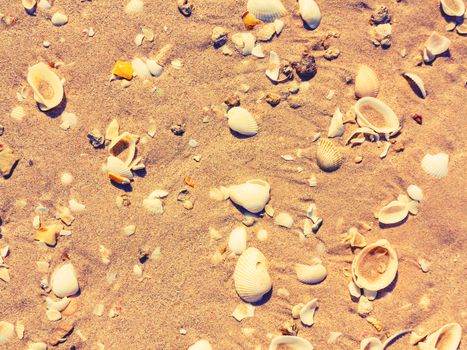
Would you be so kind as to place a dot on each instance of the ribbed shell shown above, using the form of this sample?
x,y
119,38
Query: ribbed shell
x,y
366,82
436,165
454,8
394,212
47,87
266,10
251,277
391,123
310,274
336,127
416,83
328,156
266,32
241,121
310,13
447,337
290,342
117,166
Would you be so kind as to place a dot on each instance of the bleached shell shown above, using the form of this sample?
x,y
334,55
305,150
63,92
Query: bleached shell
x,y
290,342
279,26
37,346
139,68
258,51
437,44
201,345
29,5
462,29
366,82
125,141
307,312
455,8
311,274
242,121
44,5
7,330
134,6
415,192
117,166
391,122
354,290
251,277
336,127
252,195
274,66
362,132
266,10
394,212
447,337
153,205
58,305
375,266
64,281
266,32
244,42
371,344
59,19
436,165
47,86
328,156
243,311
310,13
283,219
154,68
416,83
237,240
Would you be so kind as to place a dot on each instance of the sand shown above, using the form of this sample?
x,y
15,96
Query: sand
x,y
185,290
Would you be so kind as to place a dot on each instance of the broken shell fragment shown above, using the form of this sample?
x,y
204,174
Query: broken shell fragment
x,y
140,69
371,344
310,13
290,342
29,5
243,311
365,109
447,337
47,86
455,8
201,345
283,219
266,10
336,127
437,44
251,277
311,274
238,240
279,26
274,66
48,234
366,82
266,32
7,331
250,21
328,156
393,213
415,192
118,171
64,281
307,312
436,165
416,83
242,121
244,42
252,195
8,160
58,305
123,69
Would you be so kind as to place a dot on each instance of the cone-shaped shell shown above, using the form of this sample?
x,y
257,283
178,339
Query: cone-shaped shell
x,y
310,13
47,87
371,344
311,274
251,277
124,145
64,281
328,156
375,267
7,331
447,337
437,44
366,82
118,171
436,165
266,10
390,124
416,83
394,212
252,195
454,8
290,342
241,121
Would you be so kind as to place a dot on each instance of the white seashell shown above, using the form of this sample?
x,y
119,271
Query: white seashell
x,y
252,195
258,51
59,19
29,5
274,66
134,6
18,113
139,39
69,120
375,266
309,10
7,331
158,194
64,281
148,34
47,86
154,68
436,165
266,10
139,68
201,345
394,212
290,342
415,192
311,274
336,127
244,42
283,219
237,240
44,5
447,337
75,206
118,170
416,83
307,312
53,315
266,32
243,311
124,145
455,8
262,235
328,156
58,305
361,133
391,122
437,44
153,205
251,277
354,290
371,344
366,82
279,26
241,121
37,346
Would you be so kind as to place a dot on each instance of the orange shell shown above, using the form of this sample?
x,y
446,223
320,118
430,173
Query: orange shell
x,y
123,69
250,20
189,181
118,179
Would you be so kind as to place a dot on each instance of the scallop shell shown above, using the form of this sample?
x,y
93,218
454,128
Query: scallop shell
x,y
64,281
394,212
455,8
274,66
252,195
7,331
290,342
310,13
436,165
201,345
415,192
391,122
437,44
244,42
375,267
126,142
118,171
266,32
447,337
307,312
366,82
328,156
59,19
371,344
311,274
336,127
416,83
47,87
241,121
237,240
251,277
266,10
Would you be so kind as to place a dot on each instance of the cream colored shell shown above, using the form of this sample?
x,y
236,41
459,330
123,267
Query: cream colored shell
x,y
436,165
328,156
391,124
366,82
64,281
454,8
242,121
311,274
393,213
310,13
447,337
126,142
266,10
253,195
47,87
416,83
290,342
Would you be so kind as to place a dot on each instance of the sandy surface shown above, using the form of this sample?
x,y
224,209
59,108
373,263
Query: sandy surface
x,y
185,289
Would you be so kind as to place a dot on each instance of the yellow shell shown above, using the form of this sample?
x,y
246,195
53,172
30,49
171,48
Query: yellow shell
x,y
123,69
366,82
48,234
47,87
250,20
328,156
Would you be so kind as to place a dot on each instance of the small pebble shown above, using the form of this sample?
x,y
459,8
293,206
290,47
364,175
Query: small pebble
x,y
46,44
183,331
358,159
66,178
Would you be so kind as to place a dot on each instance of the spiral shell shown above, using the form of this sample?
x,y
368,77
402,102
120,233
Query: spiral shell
x,y
266,10
47,87
241,121
328,156
366,82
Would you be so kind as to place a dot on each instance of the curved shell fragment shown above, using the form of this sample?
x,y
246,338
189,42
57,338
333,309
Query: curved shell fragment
x,y
416,83
47,86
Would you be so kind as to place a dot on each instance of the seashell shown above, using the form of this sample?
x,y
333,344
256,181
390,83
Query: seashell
x,y
258,51
59,19
201,345
266,32
29,5
7,331
455,8
37,346
462,29
243,311
124,146
391,123
139,68
307,312
58,305
112,130
252,195
48,234
436,165
362,133
309,10
44,5
336,127
154,68
53,315
311,274
279,26
266,10
251,277
371,344
290,342
250,21
153,204
64,281
47,86
18,113
328,156
241,121
274,66
118,171
366,82
416,83
447,337
375,266
283,219
244,42
237,240
139,39
394,212
415,192
369,294
134,6
354,290
437,44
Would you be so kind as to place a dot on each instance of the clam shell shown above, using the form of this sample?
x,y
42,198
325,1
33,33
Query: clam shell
x,y
290,342
59,19
307,312
47,87
266,32
117,167
371,344
454,8
251,277
244,42
436,165
311,274
201,345
252,195
416,83
274,66
366,82
447,337
394,212
375,266
7,331
266,10
391,123
328,156
437,44
462,29
336,127
415,192
64,281
310,13
126,142
237,240
241,121
243,311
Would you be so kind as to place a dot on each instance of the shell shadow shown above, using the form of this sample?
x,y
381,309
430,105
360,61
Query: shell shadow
x,y
141,172
10,174
383,292
264,299
383,226
58,110
448,18
123,187
240,136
